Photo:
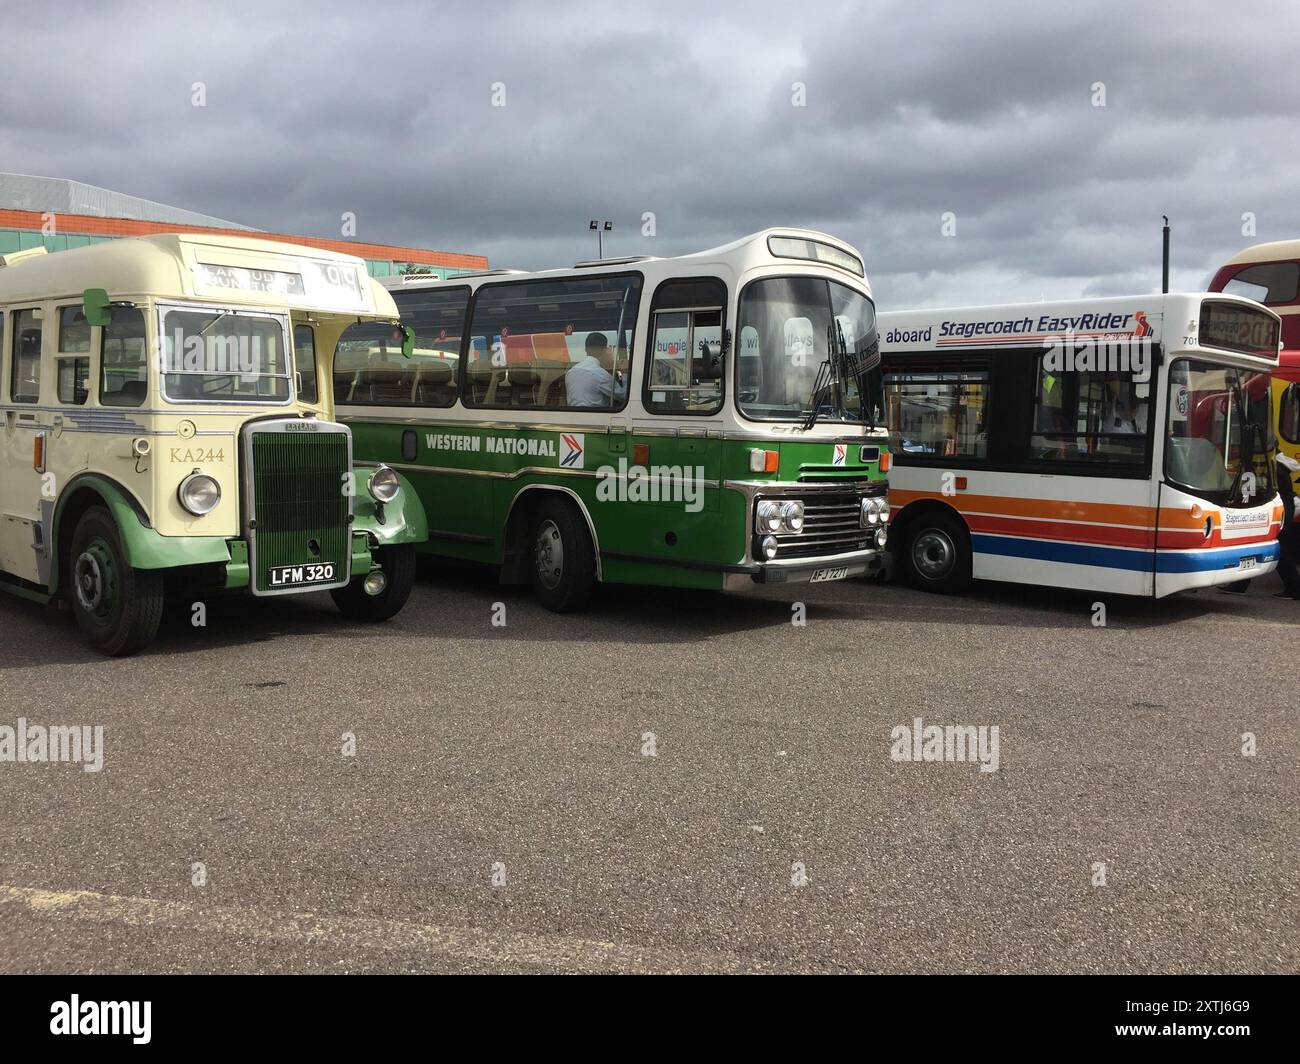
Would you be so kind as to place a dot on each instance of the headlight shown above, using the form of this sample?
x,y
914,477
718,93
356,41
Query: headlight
x,y
792,516
875,510
768,516
383,484
768,547
199,494
882,537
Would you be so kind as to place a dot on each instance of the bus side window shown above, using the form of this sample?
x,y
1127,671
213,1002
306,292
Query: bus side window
x,y
938,412
123,367
1087,416
25,371
73,377
304,358
553,344
684,315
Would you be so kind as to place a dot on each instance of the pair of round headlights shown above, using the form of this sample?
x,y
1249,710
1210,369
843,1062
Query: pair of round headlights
x,y
200,493
779,515
875,510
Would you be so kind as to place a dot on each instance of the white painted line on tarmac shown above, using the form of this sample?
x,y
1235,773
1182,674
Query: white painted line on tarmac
x,y
352,935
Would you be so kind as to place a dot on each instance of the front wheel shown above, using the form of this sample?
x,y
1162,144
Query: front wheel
x,y
564,560
935,553
118,609
398,565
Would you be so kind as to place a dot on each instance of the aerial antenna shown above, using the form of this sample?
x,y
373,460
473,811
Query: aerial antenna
x,y
1164,283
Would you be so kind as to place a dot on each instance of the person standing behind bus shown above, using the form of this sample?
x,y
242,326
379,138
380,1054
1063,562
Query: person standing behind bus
x,y
591,382
1288,540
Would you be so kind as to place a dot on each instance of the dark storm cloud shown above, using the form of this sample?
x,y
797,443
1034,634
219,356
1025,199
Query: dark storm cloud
x,y
687,111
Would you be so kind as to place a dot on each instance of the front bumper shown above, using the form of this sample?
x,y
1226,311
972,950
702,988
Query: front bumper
x,y
802,570
237,573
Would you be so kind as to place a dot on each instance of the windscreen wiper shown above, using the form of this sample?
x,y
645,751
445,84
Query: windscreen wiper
x,y
819,385
862,366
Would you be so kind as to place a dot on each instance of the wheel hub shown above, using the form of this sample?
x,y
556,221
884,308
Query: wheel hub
x,y
548,555
93,579
933,554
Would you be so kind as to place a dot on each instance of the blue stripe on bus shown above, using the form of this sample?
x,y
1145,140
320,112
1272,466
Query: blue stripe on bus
x,y
1138,561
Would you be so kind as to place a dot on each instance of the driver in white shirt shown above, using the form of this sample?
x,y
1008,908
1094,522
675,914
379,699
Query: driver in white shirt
x,y
590,382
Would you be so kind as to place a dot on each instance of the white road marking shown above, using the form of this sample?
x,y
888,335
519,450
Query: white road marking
x,y
552,953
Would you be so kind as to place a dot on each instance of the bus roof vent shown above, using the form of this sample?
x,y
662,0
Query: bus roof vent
x,y
589,263
15,257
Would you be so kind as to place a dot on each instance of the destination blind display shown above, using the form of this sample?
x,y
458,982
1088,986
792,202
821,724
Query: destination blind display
x,y
339,283
240,279
1237,328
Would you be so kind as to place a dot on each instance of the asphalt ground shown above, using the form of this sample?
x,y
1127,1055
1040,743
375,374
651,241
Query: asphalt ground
x,y
668,782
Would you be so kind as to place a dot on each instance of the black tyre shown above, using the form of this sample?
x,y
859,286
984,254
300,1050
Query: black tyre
x,y
564,559
398,564
118,609
934,553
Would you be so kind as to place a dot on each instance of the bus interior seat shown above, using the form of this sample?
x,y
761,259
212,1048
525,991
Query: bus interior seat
x,y
434,383
132,393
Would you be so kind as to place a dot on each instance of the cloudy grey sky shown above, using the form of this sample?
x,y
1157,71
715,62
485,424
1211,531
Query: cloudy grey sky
x,y
688,110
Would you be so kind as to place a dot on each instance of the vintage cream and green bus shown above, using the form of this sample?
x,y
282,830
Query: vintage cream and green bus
x,y
168,414
707,421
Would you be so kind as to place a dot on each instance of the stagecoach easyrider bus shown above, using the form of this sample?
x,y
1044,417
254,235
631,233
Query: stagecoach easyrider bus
x,y
1113,445
706,421
167,414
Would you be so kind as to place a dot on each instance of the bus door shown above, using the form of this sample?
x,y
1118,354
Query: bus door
x,y
26,436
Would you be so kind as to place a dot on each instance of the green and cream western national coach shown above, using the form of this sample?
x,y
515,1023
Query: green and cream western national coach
x,y
168,423
707,421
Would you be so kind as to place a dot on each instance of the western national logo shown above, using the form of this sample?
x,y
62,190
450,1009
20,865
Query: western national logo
x,y
572,450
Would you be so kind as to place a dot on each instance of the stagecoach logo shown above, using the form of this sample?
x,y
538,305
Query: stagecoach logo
x,y
841,454
572,450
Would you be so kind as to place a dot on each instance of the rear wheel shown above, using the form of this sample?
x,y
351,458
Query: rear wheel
x,y
118,609
564,559
398,565
935,553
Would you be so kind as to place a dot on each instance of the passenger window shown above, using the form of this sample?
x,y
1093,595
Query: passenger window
x,y
124,369
25,373
938,413
74,331
684,375
304,355
553,344
1089,417
370,370
74,380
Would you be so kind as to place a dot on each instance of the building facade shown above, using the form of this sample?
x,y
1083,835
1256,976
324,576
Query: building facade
x,y
60,214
